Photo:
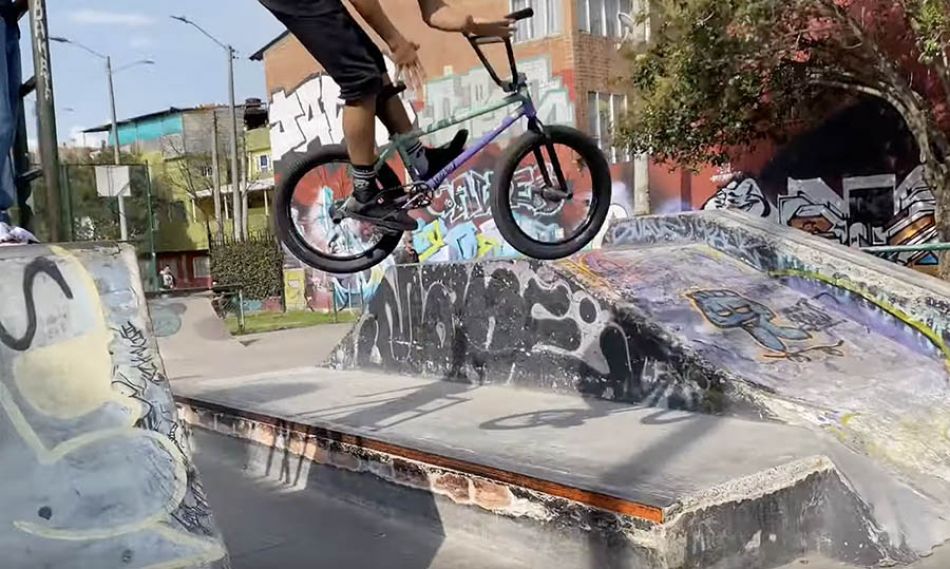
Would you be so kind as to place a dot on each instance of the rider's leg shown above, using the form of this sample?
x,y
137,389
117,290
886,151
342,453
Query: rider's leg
x,y
359,130
426,160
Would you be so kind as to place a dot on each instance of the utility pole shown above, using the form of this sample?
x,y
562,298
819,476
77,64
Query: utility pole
x,y
123,224
216,177
46,118
236,213
236,198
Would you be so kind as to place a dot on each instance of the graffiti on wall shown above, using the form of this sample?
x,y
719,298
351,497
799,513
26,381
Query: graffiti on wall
x,y
97,467
312,113
870,210
729,310
455,95
511,323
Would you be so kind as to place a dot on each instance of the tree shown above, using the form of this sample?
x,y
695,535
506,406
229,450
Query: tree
x,y
719,74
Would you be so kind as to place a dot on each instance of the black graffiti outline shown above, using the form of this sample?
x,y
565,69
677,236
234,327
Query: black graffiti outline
x,y
142,359
33,269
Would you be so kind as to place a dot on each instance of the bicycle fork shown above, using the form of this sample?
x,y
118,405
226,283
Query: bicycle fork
x,y
550,192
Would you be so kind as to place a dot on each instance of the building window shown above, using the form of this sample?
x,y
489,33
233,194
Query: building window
x,y
201,267
263,161
604,112
176,212
603,17
546,21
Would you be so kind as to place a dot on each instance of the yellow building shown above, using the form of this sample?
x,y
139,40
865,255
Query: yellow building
x,y
177,144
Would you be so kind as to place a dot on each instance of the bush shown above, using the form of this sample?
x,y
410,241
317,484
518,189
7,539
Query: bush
x,y
257,264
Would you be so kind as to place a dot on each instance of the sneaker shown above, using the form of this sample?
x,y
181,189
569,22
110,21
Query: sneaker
x,y
442,156
13,235
381,212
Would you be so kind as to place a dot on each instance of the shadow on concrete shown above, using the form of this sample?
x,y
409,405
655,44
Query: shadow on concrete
x,y
388,412
647,462
260,392
567,418
325,518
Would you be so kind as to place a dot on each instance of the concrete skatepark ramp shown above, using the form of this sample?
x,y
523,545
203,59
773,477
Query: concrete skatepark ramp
x,y
713,312
97,470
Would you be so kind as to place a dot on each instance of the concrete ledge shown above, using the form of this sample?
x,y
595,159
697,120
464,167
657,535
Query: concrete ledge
x,y
762,519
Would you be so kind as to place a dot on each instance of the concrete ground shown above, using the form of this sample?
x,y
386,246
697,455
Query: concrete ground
x,y
664,456
253,353
268,526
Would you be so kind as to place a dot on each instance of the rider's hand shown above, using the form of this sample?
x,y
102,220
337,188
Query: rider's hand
x,y
405,55
493,27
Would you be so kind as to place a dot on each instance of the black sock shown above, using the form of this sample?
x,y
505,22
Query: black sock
x,y
364,182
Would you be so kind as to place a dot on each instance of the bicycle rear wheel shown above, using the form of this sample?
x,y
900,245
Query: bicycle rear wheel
x,y
304,207
534,214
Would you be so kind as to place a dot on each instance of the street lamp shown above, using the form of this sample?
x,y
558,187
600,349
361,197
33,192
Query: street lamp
x,y
236,205
123,226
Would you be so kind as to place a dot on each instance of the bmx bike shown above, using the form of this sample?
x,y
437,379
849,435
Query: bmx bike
x,y
571,186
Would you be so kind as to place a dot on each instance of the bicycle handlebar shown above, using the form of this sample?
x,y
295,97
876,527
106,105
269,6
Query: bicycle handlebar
x,y
521,14
477,41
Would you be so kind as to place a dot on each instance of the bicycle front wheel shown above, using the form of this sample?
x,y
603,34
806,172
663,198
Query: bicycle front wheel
x,y
535,212
304,209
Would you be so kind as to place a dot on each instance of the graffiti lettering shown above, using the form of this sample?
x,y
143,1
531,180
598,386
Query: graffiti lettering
x,y
455,95
873,210
141,353
33,270
313,113
502,322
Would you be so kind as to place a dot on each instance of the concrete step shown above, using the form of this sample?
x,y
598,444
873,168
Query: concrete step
x,y
301,526
589,482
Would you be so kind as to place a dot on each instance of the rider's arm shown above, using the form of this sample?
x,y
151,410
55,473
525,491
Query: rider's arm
x,y
373,13
439,15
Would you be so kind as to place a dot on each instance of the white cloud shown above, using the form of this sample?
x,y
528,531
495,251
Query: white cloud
x,y
111,18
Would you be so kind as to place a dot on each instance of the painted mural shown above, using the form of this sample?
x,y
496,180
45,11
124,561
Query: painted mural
x,y
871,210
855,178
458,225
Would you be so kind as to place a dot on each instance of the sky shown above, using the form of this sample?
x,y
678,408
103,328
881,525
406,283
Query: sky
x,y
189,68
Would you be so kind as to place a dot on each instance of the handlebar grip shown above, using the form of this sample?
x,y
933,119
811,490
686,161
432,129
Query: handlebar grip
x,y
521,14
485,40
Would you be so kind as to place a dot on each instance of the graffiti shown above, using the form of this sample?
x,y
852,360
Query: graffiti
x,y
456,95
729,310
313,113
80,400
30,273
508,323
809,317
295,289
871,210
742,194
142,359
166,318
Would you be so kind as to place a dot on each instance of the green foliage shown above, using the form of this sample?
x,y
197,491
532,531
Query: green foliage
x,y
721,74
257,264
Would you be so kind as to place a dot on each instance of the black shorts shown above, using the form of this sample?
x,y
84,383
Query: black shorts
x,y
337,42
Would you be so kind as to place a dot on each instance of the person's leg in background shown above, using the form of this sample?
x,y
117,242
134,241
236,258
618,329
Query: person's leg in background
x,y
10,79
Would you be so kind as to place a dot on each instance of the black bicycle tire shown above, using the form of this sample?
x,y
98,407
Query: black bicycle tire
x,y
298,246
600,182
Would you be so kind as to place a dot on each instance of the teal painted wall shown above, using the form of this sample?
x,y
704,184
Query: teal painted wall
x,y
148,130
